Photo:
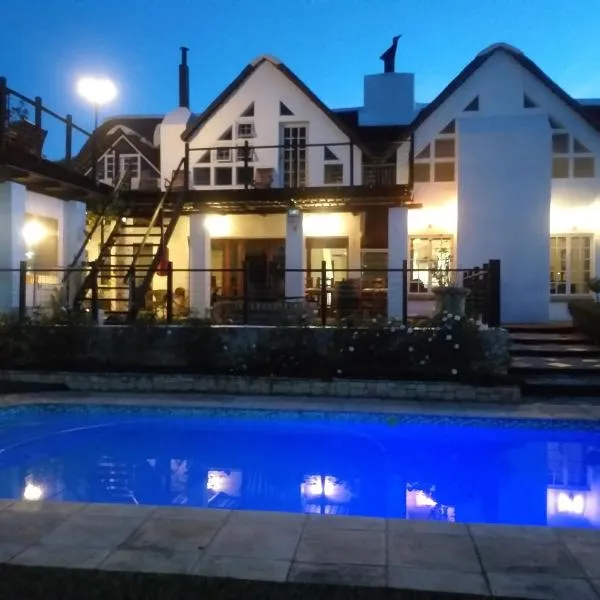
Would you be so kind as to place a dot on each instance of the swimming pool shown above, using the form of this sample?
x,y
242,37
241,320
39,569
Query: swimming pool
x,y
414,467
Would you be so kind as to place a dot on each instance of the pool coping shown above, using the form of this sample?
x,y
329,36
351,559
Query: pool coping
x,y
425,556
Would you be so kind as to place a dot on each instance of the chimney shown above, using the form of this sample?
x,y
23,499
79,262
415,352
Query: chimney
x,y
184,80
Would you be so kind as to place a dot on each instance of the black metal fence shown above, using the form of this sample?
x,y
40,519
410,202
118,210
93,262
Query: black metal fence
x,y
255,293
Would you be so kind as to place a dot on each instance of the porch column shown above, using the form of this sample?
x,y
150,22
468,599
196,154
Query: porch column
x,y
12,243
73,227
294,256
397,253
199,243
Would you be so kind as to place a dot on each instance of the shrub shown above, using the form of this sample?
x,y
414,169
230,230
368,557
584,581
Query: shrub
x,y
586,317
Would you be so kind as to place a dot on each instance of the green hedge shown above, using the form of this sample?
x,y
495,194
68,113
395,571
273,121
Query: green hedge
x,y
450,348
586,318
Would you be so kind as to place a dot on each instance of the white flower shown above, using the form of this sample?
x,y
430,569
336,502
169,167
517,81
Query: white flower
x,y
454,372
392,330
422,362
483,327
429,339
339,371
225,347
409,330
457,318
351,349
402,327
355,334
410,348
456,346
448,337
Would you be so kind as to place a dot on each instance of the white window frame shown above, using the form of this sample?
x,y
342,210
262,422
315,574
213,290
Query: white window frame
x,y
124,157
429,237
226,155
432,160
242,123
570,156
568,281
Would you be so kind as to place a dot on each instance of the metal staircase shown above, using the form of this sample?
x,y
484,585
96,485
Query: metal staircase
x,y
132,253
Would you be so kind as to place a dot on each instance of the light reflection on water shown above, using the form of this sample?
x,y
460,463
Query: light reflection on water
x,y
413,471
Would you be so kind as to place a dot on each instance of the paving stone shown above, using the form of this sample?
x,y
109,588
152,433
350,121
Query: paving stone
x,y
27,528
151,561
526,555
10,549
433,580
342,522
540,587
171,535
60,556
92,531
255,569
5,504
522,532
432,551
254,537
192,514
426,527
584,546
139,511
341,546
59,508
265,517
352,575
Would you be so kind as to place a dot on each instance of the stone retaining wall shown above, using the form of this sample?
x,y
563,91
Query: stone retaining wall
x,y
275,386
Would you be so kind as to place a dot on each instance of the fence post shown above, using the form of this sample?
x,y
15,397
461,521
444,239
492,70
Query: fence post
x,y
132,291
494,297
38,122
22,290
246,299
323,294
170,292
69,139
405,292
94,289
3,111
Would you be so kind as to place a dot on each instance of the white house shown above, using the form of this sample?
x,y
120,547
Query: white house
x,y
501,165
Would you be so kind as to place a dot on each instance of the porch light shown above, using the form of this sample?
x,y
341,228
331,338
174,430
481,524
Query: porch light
x,y
323,225
33,233
98,91
218,225
33,493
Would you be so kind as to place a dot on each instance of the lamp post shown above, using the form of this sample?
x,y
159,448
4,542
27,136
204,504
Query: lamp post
x,y
98,91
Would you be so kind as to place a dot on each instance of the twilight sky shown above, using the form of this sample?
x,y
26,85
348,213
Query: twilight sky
x,y
330,44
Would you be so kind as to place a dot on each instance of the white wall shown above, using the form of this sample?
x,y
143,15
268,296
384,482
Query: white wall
x,y
266,87
12,247
172,147
504,207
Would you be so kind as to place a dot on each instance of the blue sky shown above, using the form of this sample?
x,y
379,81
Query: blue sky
x,y
330,44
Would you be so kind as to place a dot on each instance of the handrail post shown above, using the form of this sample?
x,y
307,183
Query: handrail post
x,y
3,111
94,289
186,166
169,306
246,161
351,163
69,139
22,290
404,292
38,122
94,140
132,291
246,299
494,294
323,294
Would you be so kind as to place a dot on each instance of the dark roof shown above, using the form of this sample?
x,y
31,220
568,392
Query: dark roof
x,y
142,137
377,140
245,74
584,111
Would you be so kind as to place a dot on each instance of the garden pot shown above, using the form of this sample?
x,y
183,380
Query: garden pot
x,y
450,300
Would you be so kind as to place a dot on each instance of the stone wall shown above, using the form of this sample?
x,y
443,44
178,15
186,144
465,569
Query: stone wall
x,y
263,386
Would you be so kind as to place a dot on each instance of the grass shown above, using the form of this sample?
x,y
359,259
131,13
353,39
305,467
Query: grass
x,y
41,583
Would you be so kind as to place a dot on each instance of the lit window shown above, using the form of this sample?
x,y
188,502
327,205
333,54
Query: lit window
x,y
428,253
570,264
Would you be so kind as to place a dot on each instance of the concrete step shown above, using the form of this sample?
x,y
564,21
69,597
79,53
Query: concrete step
x,y
553,349
537,339
548,386
561,328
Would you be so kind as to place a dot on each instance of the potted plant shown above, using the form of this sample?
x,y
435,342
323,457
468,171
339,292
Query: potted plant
x,y
594,287
21,132
450,295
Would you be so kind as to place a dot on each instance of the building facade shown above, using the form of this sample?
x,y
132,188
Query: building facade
x,y
502,165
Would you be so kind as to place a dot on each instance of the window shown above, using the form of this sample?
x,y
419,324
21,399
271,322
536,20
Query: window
x,y
106,167
42,244
329,154
570,157
227,134
436,162
294,163
284,111
374,268
244,175
570,264
205,157
473,106
334,173
249,112
245,130
223,154
427,253
223,176
241,154
528,102
201,175
131,163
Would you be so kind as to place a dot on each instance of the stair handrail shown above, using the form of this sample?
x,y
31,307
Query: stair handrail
x,y
124,177
140,291
157,212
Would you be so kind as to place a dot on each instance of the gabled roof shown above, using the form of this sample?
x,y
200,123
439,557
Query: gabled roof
x,y
138,130
585,112
245,74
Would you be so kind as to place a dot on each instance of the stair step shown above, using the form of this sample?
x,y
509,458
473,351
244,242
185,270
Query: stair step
x,y
548,338
552,328
556,350
578,386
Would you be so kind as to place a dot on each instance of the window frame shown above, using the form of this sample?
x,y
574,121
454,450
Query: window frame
x,y
568,282
442,140
430,237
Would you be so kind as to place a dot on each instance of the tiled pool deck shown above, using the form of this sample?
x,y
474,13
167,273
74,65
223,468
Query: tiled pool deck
x,y
486,560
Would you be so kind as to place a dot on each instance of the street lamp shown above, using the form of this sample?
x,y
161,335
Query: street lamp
x,y
98,91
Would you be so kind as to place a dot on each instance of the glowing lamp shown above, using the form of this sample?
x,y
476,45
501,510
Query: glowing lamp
x,y
96,90
33,493
33,233
573,504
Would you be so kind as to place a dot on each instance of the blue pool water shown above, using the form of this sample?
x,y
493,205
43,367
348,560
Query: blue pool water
x,y
415,467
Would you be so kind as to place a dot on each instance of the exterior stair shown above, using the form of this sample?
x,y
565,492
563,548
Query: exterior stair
x,y
554,361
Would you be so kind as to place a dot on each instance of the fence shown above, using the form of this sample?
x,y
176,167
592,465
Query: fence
x,y
254,293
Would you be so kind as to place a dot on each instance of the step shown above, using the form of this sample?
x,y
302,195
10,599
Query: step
x,y
541,328
576,386
554,365
553,349
549,338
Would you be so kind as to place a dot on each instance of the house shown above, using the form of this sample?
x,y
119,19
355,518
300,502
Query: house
x,y
502,164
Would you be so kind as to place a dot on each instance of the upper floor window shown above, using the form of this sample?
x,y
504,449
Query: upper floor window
x,y
131,163
437,161
106,166
333,168
570,157
245,130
